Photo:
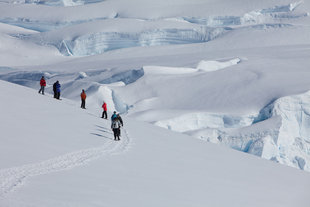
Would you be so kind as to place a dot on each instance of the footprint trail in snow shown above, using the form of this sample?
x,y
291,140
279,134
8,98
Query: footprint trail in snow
x,y
12,178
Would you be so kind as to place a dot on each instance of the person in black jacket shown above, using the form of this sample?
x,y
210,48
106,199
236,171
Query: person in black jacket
x,y
58,89
120,119
116,128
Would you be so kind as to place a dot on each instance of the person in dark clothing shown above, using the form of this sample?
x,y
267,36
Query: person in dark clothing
x,y
42,84
120,119
116,127
83,98
54,89
58,89
104,113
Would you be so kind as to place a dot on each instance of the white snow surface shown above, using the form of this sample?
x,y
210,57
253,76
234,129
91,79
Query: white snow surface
x,y
61,155
234,73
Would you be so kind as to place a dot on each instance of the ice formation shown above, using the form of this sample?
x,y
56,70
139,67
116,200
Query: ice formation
x,y
280,132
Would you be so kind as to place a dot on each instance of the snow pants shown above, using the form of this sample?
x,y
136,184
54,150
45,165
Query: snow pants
x,y
42,89
104,115
117,133
83,104
58,95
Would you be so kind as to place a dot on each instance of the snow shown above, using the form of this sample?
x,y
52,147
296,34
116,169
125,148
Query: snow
x,y
182,74
217,65
105,35
80,165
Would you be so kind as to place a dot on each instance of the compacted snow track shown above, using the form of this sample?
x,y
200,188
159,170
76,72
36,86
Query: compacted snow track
x,y
12,178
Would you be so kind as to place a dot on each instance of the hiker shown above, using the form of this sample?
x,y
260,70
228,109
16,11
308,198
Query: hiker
x,y
83,99
54,90
42,84
114,115
104,113
58,89
120,119
116,127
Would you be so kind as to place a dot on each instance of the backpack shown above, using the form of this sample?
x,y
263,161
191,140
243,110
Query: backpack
x,y
115,124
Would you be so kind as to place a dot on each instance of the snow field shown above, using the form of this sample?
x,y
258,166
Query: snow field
x,y
50,130
101,34
225,72
108,86
163,167
13,178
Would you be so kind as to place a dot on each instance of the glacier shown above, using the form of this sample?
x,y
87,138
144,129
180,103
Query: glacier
x,y
161,31
280,132
81,165
98,43
192,72
292,145
105,37
206,89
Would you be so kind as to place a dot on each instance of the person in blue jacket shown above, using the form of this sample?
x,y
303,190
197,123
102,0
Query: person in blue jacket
x,y
58,89
114,115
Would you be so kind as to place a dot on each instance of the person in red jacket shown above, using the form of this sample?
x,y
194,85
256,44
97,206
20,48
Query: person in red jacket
x,y
83,98
42,84
104,113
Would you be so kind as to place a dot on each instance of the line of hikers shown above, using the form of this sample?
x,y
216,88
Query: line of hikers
x,y
116,119
56,87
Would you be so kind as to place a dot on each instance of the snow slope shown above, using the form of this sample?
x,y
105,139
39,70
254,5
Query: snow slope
x,y
62,155
235,73
209,69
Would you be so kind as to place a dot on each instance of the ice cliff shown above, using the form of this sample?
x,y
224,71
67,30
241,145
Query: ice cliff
x,y
280,132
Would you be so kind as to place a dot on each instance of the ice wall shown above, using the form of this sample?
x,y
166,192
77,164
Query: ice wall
x,y
292,146
281,132
97,43
270,15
